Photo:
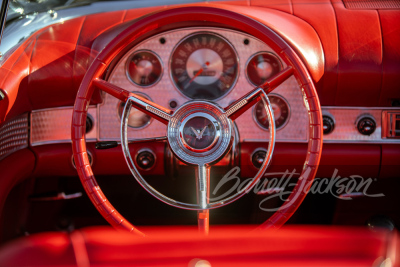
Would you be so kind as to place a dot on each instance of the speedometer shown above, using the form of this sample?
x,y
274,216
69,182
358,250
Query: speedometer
x,y
204,66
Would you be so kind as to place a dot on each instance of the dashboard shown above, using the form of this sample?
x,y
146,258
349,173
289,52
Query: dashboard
x,y
176,63
165,68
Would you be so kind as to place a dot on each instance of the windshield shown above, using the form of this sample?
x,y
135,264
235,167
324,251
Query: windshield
x,y
26,7
25,17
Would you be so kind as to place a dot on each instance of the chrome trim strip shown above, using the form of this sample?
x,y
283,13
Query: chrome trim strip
x,y
389,119
53,126
363,108
346,125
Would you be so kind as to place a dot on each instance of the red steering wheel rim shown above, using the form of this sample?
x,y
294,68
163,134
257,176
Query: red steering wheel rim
x,y
132,35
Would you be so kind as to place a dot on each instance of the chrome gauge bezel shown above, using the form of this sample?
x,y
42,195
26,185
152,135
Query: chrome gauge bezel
x,y
128,60
256,54
253,112
131,127
211,33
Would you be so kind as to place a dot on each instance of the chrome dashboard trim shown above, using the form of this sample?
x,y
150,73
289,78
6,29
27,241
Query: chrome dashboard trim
x,y
389,119
53,125
345,125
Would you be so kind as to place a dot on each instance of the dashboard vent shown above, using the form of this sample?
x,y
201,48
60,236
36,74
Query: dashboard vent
x,y
391,124
14,135
372,4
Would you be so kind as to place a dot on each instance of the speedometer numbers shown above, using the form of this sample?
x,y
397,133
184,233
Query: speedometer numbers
x,y
204,66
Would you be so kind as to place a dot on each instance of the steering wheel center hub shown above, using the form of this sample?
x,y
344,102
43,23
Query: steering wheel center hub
x,y
200,132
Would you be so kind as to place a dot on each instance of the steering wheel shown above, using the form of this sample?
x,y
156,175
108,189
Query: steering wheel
x,y
210,124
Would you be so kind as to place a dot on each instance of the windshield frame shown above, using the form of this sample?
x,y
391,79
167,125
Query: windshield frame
x,y
3,16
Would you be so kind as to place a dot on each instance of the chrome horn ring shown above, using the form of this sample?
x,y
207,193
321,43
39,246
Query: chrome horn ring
x,y
204,157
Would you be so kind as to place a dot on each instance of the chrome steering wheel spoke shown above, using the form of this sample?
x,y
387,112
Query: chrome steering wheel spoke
x,y
156,111
237,108
203,196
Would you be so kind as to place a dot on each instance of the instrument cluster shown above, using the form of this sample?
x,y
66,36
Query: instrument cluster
x,y
203,63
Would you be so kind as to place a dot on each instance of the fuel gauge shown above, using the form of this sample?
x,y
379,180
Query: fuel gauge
x,y
144,68
261,67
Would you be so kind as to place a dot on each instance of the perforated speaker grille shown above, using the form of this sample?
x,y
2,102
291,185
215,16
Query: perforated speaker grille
x,y
14,135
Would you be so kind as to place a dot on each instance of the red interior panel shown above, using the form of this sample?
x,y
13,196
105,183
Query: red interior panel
x,y
390,161
56,160
323,20
281,5
390,23
360,56
13,169
292,246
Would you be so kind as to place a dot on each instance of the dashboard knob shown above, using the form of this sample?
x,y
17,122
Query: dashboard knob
x,y
89,123
328,124
258,158
145,159
366,125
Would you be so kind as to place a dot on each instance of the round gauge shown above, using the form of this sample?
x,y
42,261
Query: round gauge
x,y
144,68
136,119
281,112
204,66
261,67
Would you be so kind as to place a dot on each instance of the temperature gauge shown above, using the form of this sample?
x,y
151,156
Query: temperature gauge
x,y
144,68
280,108
261,67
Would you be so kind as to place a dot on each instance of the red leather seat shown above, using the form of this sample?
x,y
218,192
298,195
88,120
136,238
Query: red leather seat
x,y
225,246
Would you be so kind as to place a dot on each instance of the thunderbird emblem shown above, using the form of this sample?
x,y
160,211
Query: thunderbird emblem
x,y
198,133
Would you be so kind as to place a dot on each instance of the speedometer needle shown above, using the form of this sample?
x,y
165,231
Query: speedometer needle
x,y
199,72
